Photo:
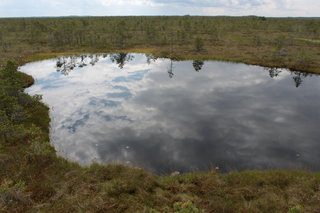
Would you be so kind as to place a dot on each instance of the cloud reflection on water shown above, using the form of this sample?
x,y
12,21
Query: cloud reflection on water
x,y
229,115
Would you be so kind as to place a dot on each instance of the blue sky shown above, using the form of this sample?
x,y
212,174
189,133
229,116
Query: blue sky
x,y
281,8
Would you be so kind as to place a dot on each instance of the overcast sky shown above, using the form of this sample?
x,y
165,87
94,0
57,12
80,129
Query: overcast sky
x,y
282,8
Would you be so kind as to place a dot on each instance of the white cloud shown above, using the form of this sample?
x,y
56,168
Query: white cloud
x,y
266,8
130,2
3,2
18,8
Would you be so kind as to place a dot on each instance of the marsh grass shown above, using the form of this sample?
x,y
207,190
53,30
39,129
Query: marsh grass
x,y
252,40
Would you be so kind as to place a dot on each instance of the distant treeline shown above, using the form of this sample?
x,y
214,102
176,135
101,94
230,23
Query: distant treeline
x,y
122,32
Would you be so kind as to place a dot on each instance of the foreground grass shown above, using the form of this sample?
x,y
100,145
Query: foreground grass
x,y
54,185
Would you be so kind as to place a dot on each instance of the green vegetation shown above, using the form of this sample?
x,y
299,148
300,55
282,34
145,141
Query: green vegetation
x,y
34,179
275,42
198,44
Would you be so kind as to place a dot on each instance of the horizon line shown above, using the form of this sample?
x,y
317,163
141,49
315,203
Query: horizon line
x,y
187,15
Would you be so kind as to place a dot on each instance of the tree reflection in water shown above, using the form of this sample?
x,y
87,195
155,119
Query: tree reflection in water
x,y
170,69
65,64
297,76
197,65
273,72
121,58
150,58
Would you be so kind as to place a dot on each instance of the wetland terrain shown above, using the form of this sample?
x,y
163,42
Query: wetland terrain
x,y
82,131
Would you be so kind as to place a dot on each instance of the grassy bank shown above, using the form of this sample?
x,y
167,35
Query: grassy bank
x,y
34,179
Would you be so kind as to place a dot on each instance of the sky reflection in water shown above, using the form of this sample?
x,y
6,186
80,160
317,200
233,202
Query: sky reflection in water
x,y
179,116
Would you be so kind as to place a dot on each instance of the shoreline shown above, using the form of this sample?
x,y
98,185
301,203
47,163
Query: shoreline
x,y
47,182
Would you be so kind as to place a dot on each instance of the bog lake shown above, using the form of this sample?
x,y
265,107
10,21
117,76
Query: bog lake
x,y
185,116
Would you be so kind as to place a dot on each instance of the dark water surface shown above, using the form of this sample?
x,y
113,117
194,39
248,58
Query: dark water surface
x,y
183,116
